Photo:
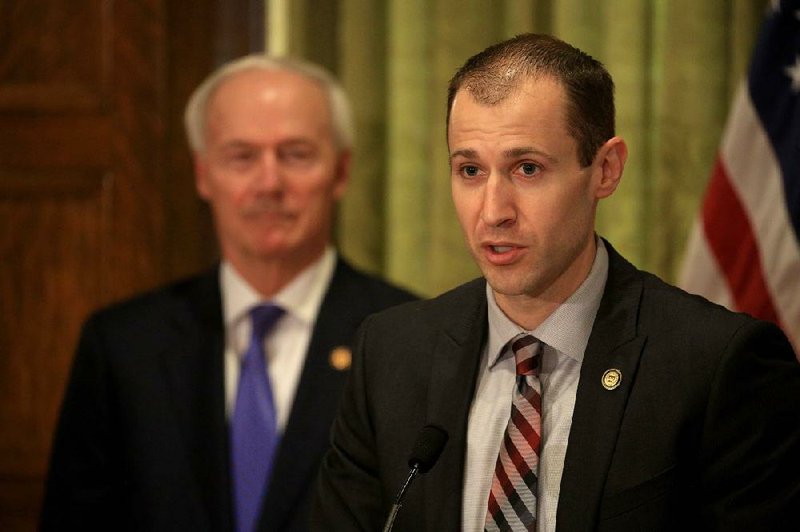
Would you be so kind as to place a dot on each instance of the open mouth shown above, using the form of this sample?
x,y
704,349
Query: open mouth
x,y
502,254
501,249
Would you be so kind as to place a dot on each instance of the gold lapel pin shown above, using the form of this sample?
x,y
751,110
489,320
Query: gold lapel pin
x,y
611,378
340,358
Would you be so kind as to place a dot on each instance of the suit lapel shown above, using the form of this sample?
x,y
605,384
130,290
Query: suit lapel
x,y
307,432
598,413
456,357
193,367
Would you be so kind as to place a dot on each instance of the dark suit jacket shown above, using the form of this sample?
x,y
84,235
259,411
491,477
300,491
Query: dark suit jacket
x,y
702,433
142,439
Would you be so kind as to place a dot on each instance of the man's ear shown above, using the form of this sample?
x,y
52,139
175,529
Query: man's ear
x,y
201,175
342,177
611,159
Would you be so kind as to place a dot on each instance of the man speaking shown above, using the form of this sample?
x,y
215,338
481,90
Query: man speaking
x,y
578,393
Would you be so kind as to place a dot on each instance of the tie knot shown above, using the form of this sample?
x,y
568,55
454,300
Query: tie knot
x,y
527,354
263,318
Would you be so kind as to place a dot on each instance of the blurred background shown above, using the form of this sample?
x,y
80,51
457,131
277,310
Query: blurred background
x,y
96,184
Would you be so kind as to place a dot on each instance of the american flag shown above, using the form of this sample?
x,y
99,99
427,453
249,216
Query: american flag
x,y
744,250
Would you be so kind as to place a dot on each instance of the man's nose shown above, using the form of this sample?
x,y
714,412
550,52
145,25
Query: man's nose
x,y
269,175
498,201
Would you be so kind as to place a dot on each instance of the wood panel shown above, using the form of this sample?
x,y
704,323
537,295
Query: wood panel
x,y
96,187
81,210
201,35
65,65
52,233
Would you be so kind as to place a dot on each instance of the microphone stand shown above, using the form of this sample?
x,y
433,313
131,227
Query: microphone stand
x,y
398,501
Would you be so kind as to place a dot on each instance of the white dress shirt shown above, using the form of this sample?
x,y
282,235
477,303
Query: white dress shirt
x,y
564,335
287,343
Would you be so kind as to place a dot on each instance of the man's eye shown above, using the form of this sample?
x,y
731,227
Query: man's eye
x,y
470,171
242,156
297,154
528,169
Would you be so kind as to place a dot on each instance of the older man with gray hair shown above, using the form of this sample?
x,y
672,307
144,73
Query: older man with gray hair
x,y
206,405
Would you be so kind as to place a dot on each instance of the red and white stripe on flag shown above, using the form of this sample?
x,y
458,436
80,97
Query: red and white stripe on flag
x,y
744,250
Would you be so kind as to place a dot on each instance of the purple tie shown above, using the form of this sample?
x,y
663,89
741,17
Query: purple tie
x,y
254,432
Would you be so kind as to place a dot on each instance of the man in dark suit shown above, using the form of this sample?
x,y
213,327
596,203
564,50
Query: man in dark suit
x,y
158,430
578,392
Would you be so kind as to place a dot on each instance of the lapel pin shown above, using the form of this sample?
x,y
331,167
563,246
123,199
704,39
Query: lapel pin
x,y
611,378
340,358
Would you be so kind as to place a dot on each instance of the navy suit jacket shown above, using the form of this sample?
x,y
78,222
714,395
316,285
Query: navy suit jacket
x,y
142,440
703,431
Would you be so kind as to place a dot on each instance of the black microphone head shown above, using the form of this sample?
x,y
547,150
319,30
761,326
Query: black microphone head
x,y
430,442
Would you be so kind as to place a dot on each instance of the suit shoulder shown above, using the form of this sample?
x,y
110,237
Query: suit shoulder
x,y
660,304
158,304
694,321
380,292
464,300
676,302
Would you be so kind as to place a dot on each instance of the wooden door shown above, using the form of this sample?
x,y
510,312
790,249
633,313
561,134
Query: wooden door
x,y
96,197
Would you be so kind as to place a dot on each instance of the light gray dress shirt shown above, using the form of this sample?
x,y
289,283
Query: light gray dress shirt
x,y
564,334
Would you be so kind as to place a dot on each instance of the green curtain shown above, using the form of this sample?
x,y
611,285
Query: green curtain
x,y
676,64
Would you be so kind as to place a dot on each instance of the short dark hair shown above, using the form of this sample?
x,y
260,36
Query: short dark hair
x,y
491,75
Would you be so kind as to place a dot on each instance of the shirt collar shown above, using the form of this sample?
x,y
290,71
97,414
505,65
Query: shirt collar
x,y
568,328
301,298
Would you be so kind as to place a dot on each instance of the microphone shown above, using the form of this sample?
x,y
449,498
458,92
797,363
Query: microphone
x,y
429,445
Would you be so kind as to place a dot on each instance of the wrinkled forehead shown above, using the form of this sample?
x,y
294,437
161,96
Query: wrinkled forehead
x,y
492,87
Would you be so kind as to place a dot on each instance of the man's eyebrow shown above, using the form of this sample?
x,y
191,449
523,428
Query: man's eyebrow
x,y
516,152
513,153
467,153
235,144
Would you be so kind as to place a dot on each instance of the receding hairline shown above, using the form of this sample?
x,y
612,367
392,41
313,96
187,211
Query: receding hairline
x,y
491,75
505,85
515,85
517,89
496,82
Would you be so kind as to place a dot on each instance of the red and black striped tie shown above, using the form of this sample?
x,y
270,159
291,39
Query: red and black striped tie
x,y
512,500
